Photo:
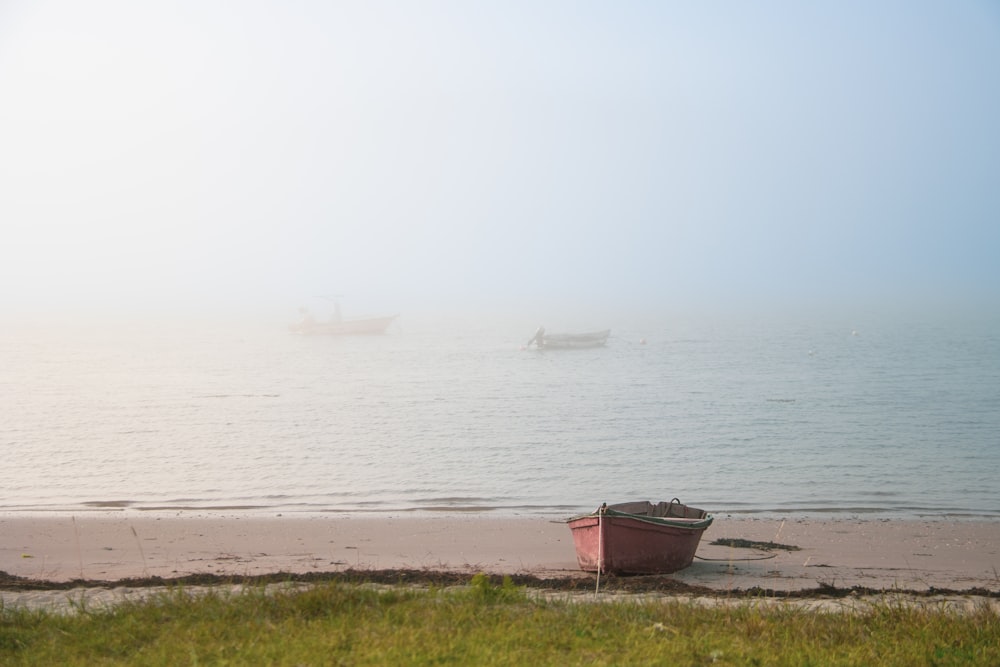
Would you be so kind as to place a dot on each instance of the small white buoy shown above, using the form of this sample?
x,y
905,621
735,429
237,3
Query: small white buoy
x,y
642,341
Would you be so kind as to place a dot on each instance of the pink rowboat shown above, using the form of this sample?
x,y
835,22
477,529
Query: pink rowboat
x,y
638,537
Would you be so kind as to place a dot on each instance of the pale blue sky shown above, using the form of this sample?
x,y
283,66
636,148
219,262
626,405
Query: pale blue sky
x,y
417,155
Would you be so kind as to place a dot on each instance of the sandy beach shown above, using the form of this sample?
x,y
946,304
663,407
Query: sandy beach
x,y
912,555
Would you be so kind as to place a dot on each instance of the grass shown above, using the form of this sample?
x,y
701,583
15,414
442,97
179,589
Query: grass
x,y
484,623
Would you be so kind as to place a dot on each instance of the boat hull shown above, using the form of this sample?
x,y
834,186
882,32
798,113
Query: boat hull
x,y
574,341
373,325
618,542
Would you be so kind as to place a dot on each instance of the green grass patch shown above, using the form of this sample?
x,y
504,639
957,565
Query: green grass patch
x,y
484,623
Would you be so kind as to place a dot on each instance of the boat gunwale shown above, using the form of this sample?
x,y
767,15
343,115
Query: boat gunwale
x,y
673,522
586,335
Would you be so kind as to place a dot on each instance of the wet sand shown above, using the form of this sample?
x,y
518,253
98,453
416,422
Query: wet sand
x,y
887,555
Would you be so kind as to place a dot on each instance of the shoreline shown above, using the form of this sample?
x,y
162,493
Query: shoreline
x,y
917,555
133,508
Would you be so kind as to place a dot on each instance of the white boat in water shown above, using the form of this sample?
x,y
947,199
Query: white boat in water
x,y
569,341
338,325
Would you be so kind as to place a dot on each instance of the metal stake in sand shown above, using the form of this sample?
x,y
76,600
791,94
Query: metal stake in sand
x,y
145,570
600,546
79,552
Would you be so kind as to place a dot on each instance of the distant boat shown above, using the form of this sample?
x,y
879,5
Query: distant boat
x,y
338,325
638,537
568,341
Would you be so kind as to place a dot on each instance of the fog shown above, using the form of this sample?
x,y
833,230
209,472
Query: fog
x,y
517,157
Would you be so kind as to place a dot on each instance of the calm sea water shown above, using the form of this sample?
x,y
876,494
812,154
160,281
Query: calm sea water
x,y
895,418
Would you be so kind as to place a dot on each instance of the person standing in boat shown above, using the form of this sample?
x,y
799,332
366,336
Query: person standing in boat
x,y
538,338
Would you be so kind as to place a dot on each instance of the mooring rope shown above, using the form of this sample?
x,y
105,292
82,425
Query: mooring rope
x,y
729,560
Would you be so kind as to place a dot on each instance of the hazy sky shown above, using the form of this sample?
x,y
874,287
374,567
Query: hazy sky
x,y
655,155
